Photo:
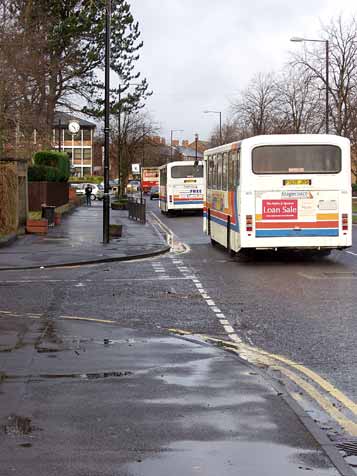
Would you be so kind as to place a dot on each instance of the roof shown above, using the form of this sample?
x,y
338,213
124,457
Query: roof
x,y
188,152
66,118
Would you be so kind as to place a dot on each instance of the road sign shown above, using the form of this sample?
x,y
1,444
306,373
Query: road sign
x,y
135,168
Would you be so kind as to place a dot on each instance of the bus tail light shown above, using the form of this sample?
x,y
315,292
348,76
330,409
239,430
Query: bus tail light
x,y
170,198
345,221
249,222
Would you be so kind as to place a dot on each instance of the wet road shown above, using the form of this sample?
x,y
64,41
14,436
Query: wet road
x,y
298,307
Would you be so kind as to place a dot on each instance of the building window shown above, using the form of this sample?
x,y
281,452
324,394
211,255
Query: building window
x,y
67,135
86,134
77,156
87,171
87,156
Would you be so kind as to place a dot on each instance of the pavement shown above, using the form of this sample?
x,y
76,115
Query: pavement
x,y
78,240
90,398
93,381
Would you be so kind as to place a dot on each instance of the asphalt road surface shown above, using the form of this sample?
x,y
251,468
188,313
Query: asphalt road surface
x,y
292,305
291,316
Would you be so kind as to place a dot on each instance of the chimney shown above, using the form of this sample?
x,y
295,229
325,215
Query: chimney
x,y
175,142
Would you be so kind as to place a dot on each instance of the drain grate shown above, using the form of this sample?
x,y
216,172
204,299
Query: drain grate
x,y
349,447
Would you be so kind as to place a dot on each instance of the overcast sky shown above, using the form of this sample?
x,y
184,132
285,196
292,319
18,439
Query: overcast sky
x,y
198,54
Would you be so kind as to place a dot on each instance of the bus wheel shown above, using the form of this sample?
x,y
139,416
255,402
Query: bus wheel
x,y
232,253
163,212
213,242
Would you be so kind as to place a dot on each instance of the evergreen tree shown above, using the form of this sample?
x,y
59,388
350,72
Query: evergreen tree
x,y
62,44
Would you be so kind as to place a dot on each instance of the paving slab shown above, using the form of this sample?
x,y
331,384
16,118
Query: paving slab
x,y
79,240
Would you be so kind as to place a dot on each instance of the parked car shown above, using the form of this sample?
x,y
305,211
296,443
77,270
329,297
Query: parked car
x,y
97,190
133,186
154,192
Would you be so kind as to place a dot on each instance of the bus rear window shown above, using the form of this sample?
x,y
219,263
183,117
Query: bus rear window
x,y
184,171
296,159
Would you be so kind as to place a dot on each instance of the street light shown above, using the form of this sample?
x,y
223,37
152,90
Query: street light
x,y
220,123
300,40
171,133
119,157
196,144
106,124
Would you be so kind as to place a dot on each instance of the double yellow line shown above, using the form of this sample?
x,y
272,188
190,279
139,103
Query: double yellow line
x,y
328,397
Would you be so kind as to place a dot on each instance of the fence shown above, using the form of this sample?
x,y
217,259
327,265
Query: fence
x,y
50,193
137,209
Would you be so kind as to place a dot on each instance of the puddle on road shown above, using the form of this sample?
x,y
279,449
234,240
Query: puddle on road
x,y
83,376
229,458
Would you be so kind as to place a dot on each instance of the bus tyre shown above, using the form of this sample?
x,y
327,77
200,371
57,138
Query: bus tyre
x,y
213,242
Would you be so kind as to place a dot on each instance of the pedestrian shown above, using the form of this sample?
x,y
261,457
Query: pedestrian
x,y
88,191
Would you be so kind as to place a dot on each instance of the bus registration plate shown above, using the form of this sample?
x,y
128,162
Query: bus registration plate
x,y
297,182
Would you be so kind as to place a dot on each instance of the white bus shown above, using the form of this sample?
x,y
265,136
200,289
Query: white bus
x,y
181,186
280,191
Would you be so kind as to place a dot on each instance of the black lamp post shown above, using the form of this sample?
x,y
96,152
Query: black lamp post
x,y
196,154
220,123
298,39
106,217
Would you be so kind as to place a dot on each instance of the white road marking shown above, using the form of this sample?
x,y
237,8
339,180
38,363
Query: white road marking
x,y
351,253
210,302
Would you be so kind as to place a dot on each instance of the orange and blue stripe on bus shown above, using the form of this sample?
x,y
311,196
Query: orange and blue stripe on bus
x,y
188,201
326,225
221,218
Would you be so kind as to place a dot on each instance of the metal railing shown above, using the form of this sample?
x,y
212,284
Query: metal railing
x,y
137,209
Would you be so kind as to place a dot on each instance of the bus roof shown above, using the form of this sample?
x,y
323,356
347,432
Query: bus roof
x,y
181,162
282,139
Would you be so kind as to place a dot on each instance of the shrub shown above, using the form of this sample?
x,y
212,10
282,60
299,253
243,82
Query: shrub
x,y
43,173
354,187
52,158
87,179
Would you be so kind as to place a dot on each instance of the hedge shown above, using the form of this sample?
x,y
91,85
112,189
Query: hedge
x,y
44,173
54,159
87,178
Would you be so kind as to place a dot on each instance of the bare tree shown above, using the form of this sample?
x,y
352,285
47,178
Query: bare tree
x,y
342,37
254,107
298,109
